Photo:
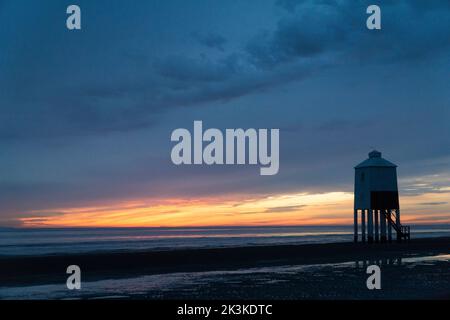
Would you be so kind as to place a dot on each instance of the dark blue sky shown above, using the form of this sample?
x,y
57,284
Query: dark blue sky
x,y
87,115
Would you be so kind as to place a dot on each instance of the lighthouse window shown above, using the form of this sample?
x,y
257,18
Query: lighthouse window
x,y
362,176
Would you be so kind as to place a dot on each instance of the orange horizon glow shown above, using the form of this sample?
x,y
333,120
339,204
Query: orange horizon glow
x,y
332,208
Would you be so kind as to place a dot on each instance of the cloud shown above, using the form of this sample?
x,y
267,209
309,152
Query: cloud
x,y
431,184
211,40
433,203
189,71
285,209
337,29
128,94
307,35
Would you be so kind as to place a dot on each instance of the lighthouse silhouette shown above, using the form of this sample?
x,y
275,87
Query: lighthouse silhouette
x,y
376,201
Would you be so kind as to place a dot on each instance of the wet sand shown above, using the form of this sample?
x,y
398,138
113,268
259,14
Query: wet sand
x,y
43,270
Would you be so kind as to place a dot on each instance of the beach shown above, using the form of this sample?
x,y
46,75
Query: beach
x,y
418,269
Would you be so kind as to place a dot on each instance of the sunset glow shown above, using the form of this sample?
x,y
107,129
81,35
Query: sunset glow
x,y
333,208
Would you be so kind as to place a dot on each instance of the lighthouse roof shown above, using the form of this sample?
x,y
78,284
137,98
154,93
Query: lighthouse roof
x,y
375,160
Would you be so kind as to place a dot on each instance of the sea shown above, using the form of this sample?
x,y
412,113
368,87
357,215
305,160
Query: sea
x,y
53,241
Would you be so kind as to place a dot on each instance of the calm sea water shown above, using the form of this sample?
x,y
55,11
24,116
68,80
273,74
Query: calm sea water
x,y
77,240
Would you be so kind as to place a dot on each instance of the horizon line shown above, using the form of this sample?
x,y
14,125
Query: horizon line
x,y
201,227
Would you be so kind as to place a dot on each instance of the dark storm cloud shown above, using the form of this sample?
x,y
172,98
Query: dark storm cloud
x,y
211,40
193,72
333,28
307,35
291,5
314,35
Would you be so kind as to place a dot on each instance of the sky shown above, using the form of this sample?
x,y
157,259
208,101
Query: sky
x,y
86,116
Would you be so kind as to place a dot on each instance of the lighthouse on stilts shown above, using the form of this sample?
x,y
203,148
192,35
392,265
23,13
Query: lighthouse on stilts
x,y
376,201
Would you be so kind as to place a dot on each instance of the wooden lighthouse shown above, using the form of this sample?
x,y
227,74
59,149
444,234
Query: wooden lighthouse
x,y
376,201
